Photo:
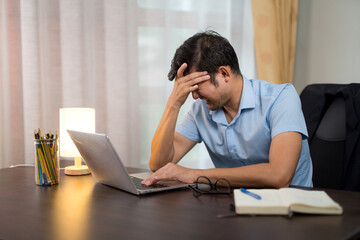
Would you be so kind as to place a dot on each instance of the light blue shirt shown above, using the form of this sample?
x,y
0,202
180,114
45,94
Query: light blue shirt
x,y
266,110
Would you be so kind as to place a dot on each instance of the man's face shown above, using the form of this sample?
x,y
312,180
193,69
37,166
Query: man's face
x,y
215,97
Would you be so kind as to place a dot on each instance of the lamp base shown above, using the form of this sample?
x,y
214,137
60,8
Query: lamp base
x,y
77,171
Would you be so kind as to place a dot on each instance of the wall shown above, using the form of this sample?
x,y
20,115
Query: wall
x,y
328,42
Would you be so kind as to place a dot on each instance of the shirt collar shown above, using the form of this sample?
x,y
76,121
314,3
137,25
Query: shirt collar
x,y
248,96
247,101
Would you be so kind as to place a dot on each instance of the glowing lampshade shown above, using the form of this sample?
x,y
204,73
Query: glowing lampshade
x,y
79,119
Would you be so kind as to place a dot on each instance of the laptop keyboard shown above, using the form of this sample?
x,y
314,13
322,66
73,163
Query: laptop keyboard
x,y
137,182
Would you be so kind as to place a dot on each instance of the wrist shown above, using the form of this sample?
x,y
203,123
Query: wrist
x,y
174,103
196,173
173,106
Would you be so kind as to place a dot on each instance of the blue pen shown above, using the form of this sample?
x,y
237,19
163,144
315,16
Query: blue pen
x,y
243,190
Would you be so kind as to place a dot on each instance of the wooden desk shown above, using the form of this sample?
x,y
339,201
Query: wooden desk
x,y
78,208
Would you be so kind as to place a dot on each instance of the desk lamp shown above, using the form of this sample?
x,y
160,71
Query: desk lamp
x,y
79,119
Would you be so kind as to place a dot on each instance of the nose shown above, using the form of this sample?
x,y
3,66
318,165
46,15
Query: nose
x,y
195,95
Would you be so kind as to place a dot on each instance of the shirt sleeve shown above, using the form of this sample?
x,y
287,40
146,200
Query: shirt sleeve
x,y
188,128
286,114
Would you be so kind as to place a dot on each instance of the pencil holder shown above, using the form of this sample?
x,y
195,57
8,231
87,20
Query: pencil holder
x,y
47,165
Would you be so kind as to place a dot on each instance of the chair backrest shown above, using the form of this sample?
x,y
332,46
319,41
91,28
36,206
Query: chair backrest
x,y
332,115
327,147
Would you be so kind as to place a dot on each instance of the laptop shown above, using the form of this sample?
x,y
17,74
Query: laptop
x,y
107,167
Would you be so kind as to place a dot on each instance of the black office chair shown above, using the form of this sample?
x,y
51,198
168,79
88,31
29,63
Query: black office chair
x,y
326,121
327,147
332,115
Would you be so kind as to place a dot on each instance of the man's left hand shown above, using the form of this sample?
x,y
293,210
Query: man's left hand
x,y
172,171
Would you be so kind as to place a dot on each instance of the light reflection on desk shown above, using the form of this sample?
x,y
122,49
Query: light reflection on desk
x,y
72,201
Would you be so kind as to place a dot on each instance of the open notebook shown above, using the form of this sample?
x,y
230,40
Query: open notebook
x,y
284,201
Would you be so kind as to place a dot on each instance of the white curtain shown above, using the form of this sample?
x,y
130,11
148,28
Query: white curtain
x,y
111,55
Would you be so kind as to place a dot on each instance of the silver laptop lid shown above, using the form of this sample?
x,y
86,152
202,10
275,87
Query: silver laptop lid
x,y
102,159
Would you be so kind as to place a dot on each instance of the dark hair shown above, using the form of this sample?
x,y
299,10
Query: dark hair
x,y
205,51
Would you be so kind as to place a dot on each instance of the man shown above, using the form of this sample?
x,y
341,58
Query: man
x,y
254,131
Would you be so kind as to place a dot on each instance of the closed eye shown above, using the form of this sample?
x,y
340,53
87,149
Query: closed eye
x,y
200,84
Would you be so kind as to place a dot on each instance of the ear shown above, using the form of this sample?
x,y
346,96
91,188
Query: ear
x,y
225,73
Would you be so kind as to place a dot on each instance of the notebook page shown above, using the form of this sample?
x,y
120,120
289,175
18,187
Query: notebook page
x,y
306,197
269,197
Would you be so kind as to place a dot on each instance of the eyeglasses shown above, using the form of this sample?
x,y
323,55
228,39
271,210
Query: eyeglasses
x,y
203,185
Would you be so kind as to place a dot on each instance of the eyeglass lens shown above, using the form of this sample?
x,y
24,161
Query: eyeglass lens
x,y
203,184
222,186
